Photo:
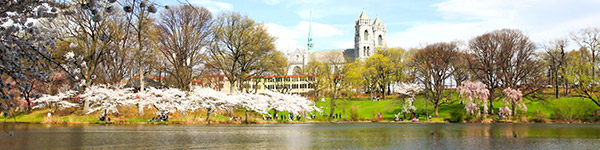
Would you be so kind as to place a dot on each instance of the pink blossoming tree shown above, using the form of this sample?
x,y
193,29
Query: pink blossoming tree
x,y
514,98
476,96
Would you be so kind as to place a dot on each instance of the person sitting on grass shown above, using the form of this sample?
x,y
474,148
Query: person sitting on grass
x,y
165,117
103,117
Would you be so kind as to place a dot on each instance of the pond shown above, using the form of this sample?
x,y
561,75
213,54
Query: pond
x,y
304,136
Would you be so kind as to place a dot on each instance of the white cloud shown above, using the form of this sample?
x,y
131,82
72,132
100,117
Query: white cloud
x,y
479,9
213,6
318,30
344,44
422,34
464,19
271,2
308,14
289,38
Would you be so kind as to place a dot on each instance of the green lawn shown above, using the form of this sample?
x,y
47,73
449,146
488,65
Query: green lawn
x,y
392,105
564,108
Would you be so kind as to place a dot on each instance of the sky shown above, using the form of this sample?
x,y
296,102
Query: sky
x,y
410,23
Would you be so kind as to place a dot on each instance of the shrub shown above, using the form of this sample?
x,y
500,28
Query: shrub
x,y
354,112
539,116
473,118
572,110
456,116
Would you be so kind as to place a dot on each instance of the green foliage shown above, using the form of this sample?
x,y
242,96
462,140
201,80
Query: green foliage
x,y
539,116
354,112
573,110
457,116
356,109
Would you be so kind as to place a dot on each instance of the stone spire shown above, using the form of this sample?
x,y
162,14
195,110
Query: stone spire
x,y
363,15
310,43
377,21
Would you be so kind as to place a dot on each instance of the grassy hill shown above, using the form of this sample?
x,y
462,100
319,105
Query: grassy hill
x,y
564,109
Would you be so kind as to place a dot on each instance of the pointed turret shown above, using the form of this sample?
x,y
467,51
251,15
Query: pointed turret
x,y
363,15
377,21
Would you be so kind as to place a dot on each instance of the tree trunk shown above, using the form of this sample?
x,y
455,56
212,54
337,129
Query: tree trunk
x,y
382,91
274,115
28,100
566,88
140,48
246,120
140,109
514,109
491,101
436,106
208,116
142,85
557,82
86,105
231,87
332,105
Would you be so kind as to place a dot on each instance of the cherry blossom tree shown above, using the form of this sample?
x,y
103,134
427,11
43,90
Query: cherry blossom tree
x,y
408,89
59,101
252,102
514,98
165,101
211,100
24,50
101,97
291,103
476,95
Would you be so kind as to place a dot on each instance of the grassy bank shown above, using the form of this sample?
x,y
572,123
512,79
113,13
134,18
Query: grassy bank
x,y
564,109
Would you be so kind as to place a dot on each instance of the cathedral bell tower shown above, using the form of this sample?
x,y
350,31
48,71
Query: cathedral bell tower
x,y
368,36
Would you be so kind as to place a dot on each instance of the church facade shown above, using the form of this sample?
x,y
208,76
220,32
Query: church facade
x,y
369,35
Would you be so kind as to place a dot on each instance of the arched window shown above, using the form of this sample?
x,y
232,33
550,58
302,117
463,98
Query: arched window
x,y
380,40
366,35
297,70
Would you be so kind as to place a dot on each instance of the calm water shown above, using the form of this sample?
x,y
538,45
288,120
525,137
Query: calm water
x,y
304,136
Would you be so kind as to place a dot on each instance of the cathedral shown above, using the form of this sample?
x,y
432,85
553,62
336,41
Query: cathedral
x,y
369,35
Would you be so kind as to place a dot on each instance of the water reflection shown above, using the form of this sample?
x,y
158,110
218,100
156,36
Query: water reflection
x,y
305,136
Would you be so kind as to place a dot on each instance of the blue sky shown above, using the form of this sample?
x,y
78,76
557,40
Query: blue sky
x,y
410,23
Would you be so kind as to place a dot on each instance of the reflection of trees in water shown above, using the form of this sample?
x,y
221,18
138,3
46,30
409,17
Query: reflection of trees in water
x,y
477,130
305,136
496,130
348,137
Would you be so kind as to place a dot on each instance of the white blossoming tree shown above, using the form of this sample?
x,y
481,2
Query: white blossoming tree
x,y
294,104
252,102
211,100
59,101
476,95
165,101
514,98
100,97
408,89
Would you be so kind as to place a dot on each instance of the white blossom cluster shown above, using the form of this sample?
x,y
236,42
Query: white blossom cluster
x,y
166,101
59,100
102,97
294,104
408,89
107,98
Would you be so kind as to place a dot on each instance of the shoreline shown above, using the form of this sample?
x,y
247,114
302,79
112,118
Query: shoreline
x,y
286,122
